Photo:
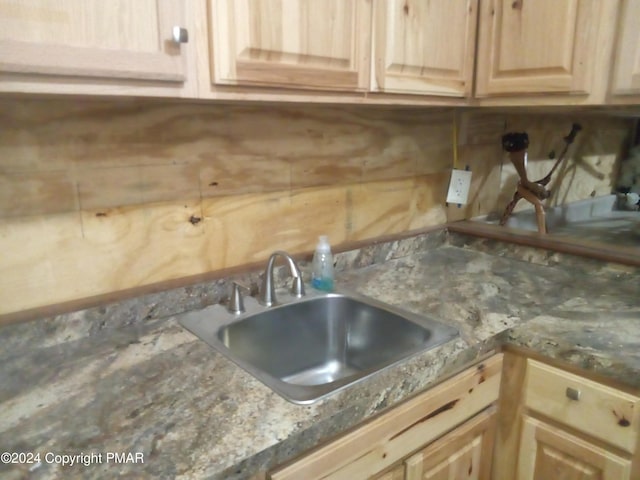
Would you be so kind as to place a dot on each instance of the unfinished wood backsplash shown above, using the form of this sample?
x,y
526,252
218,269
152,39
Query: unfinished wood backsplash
x,y
99,197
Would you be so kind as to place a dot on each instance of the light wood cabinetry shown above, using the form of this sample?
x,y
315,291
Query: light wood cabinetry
x,y
464,453
339,51
66,45
590,407
541,46
456,414
556,424
396,473
425,47
626,79
550,452
291,43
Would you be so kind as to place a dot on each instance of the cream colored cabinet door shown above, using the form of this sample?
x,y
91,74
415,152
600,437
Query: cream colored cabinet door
x,y
464,453
536,46
120,39
310,44
548,452
425,47
626,79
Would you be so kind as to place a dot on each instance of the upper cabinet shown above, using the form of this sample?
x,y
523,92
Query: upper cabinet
x,y
54,41
626,79
536,46
411,52
308,44
424,47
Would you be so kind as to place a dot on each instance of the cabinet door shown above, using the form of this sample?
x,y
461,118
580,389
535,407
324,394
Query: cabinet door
x,y
627,69
396,473
464,453
92,38
425,47
548,452
599,411
316,44
536,46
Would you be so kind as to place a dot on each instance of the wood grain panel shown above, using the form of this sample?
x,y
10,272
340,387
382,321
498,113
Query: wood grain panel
x,y
100,197
626,80
122,186
310,171
510,410
304,44
146,244
70,256
550,452
559,41
231,174
46,192
103,196
380,208
396,473
33,250
92,39
601,412
425,47
464,453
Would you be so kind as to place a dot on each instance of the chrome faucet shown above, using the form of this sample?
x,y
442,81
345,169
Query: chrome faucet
x,y
268,291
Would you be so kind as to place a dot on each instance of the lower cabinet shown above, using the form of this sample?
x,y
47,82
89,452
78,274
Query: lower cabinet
x,y
558,425
464,453
396,473
443,433
550,452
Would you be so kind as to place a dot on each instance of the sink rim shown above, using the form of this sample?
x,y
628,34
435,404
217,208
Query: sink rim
x,y
207,324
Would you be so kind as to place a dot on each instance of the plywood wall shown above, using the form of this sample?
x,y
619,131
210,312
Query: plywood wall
x,y
105,196
99,197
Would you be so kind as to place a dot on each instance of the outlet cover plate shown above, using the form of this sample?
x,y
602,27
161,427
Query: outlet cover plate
x,y
459,186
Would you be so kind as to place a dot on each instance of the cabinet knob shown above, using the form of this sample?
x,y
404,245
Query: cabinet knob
x,y
573,394
180,35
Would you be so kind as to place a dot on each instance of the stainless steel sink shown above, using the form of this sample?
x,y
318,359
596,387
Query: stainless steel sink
x,y
311,347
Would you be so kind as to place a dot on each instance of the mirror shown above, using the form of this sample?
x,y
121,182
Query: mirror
x,y
593,193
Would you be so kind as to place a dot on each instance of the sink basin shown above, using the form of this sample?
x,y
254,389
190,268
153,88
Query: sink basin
x,y
311,347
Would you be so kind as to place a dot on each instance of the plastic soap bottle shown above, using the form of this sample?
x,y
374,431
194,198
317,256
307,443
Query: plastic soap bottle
x,y
322,266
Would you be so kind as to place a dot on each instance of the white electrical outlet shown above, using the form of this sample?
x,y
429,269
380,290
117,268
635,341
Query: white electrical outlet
x,y
459,186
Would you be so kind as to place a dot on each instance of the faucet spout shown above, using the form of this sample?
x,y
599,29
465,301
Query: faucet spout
x,y
268,291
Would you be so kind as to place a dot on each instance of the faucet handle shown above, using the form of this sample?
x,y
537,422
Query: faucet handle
x,y
297,287
236,303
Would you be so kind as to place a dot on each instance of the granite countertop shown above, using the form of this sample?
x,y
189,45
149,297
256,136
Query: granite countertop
x,y
75,385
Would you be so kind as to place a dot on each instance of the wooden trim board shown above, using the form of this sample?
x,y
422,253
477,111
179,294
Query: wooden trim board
x,y
573,246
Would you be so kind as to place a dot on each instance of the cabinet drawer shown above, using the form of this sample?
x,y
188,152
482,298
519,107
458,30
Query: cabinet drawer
x,y
595,409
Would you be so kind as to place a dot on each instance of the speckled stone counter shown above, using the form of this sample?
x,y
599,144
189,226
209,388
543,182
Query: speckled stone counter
x,y
127,378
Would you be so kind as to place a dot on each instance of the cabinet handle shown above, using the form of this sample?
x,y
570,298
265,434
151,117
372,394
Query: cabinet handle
x,y
573,394
180,35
